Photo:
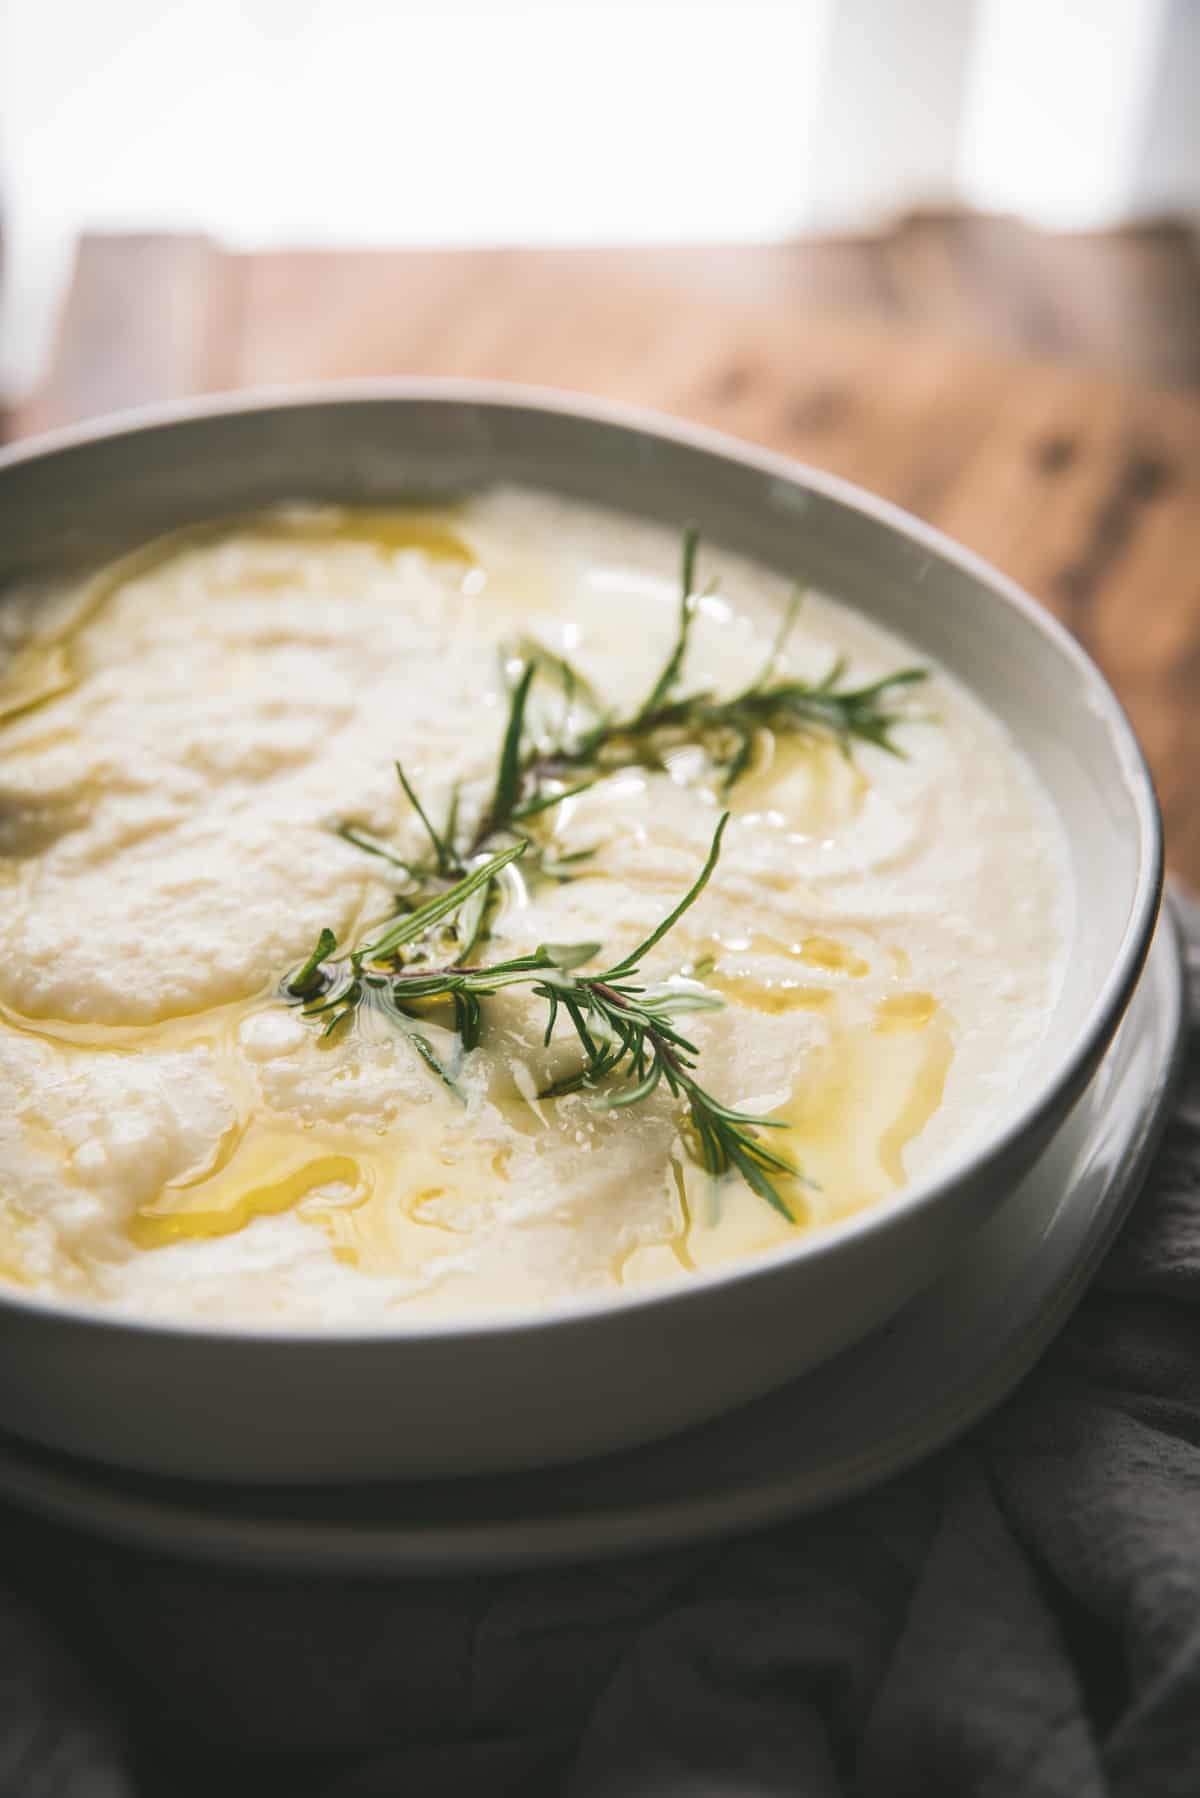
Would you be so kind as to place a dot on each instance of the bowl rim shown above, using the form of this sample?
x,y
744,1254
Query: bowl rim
x,y
1054,1091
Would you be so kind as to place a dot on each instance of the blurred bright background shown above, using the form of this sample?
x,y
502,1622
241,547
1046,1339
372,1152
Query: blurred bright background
x,y
456,122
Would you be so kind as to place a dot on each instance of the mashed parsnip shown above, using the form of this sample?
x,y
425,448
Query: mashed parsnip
x,y
177,739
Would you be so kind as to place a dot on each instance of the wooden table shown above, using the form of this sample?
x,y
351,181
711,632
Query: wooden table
x,y
1083,486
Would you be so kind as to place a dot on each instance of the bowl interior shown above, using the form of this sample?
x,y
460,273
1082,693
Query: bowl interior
x,y
92,495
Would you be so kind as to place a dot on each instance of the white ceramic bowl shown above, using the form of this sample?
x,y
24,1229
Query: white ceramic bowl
x,y
594,1376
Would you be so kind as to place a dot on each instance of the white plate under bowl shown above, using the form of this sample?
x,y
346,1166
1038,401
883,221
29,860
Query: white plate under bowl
x,y
948,1357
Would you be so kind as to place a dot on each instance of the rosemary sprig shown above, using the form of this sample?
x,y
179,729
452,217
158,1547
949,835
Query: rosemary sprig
x,y
726,729
627,1030
537,771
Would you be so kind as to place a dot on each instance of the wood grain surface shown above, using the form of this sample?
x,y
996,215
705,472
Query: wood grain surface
x,y
1083,486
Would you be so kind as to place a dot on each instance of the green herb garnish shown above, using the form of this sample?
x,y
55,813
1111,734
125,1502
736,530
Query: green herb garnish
x,y
627,1030
538,767
726,729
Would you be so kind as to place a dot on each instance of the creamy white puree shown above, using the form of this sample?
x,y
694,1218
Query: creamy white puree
x,y
889,933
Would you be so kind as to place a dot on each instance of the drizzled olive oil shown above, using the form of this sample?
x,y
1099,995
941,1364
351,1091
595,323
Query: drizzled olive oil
x,y
198,749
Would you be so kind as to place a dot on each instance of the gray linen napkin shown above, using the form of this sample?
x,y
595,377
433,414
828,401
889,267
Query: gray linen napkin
x,y
1017,1618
